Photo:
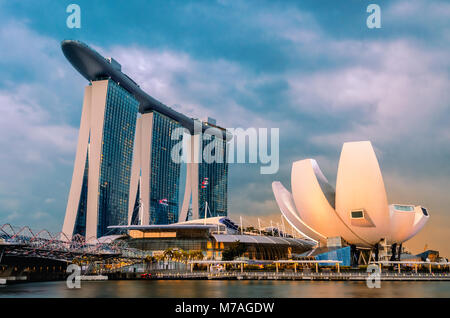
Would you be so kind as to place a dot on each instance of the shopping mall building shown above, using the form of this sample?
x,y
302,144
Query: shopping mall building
x,y
212,236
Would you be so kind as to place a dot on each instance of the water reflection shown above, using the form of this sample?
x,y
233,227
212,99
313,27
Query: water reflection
x,y
226,289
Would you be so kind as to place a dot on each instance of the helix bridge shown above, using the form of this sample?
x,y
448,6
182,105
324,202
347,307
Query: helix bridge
x,y
23,242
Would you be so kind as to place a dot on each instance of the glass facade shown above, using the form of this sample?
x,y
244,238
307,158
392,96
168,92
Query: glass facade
x,y
119,128
165,174
405,208
341,254
213,179
80,223
186,244
116,157
212,245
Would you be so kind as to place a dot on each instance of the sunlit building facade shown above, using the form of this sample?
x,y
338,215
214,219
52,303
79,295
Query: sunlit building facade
x,y
357,211
124,172
206,187
156,177
99,192
212,179
211,237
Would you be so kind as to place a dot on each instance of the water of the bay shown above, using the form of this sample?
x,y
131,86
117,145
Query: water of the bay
x,y
227,289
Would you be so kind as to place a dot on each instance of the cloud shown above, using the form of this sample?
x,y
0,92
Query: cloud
x,y
37,138
426,13
27,132
12,216
39,215
407,87
289,65
197,88
424,21
49,200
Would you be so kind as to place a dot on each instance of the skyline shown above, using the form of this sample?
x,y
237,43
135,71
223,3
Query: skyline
x,y
278,54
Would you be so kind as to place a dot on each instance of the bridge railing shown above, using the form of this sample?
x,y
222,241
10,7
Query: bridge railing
x,y
26,242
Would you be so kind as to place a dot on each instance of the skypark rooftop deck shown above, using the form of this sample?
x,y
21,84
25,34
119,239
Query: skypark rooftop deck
x,y
93,66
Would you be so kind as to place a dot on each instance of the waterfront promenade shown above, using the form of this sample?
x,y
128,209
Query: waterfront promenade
x,y
237,275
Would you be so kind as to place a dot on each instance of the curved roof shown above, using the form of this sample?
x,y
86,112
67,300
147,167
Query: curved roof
x,y
406,224
259,239
93,66
287,207
358,212
312,204
360,186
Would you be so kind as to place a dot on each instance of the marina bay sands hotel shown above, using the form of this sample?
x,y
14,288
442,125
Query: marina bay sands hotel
x,y
123,171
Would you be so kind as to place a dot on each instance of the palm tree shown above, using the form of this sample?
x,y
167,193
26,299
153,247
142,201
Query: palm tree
x,y
185,256
176,255
168,254
196,255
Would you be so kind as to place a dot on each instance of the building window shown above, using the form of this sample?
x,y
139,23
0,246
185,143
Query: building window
x,y
424,211
404,208
357,214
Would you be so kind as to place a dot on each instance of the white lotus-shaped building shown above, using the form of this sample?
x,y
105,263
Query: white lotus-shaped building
x,y
357,211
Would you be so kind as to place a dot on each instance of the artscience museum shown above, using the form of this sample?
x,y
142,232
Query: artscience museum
x,y
357,211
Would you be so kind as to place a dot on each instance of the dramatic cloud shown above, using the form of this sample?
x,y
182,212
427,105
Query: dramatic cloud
x,y
36,136
406,87
313,70
194,87
27,132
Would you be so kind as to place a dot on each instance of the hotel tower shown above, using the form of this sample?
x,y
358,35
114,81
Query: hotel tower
x,y
123,171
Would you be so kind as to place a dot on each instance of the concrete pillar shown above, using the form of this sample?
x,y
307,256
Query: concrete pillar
x,y
415,268
317,267
295,267
379,265
399,268
192,267
276,267
338,268
242,267
430,269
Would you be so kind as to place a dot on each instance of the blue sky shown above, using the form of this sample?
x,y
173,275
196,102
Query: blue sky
x,y
311,68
